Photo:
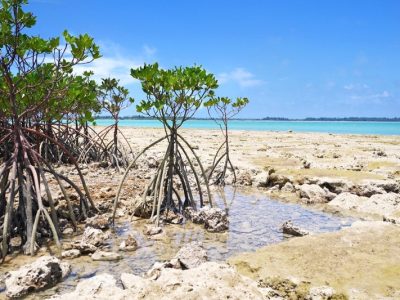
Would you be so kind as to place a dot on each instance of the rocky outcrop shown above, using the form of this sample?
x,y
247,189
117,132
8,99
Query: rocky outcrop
x,y
244,178
313,193
43,273
275,179
189,256
102,286
347,201
387,204
208,281
289,228
93,236
288,187
192,255
98,222
213,218
129,244
335,185
260,180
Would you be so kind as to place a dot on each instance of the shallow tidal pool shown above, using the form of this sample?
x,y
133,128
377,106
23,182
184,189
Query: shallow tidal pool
x,y
255,221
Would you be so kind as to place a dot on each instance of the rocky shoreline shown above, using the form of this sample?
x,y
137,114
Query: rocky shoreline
x,y
347,175
188,275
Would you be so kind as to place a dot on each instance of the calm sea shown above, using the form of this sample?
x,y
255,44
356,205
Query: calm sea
x,y
385,128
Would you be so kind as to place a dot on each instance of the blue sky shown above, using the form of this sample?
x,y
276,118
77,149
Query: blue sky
x,y
331,58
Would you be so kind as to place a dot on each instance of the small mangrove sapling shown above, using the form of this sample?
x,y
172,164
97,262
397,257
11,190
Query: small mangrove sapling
x,y
173,96
221,110
114,98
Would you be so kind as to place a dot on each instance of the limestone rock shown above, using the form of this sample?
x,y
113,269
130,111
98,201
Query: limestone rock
x,y
210,280
102,286
291,229
172,217
94,236
73,253
140,208
313,192
99,222
244,178
288,187
68,231
214,219
380,204
192,255
260,180
321,293
347,201
335,185
41,274
152,230
277,179
105,256
129,244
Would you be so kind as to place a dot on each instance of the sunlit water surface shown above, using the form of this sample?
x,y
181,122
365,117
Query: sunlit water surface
x,y
255,221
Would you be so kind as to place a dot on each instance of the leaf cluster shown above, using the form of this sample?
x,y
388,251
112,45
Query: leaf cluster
x,y
113,97
173,94
37,75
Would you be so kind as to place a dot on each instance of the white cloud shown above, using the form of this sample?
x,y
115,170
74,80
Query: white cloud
x,y
374,98
111,66
241,77
384,94
349,87
356,86
149,51
115,63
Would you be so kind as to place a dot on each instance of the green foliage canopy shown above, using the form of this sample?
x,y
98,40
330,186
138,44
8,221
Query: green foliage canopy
x,y
113,97
225,108
37,75
175,94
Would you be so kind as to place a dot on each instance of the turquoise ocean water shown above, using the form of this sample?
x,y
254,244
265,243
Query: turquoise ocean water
x,y
344,127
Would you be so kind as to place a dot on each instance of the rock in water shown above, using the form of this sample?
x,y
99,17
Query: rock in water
x,y
291,229
214,219
129,244
73,253
192,255
105,256
41,274
93,236
152,230
91,239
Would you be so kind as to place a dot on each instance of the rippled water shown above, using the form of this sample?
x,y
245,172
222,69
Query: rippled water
x,y
254,219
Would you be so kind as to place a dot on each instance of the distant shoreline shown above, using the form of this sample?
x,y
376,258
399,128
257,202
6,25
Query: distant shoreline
x,y
348,119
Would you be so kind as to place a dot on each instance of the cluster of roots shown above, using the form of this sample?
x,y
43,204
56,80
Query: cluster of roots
x,y
29,154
